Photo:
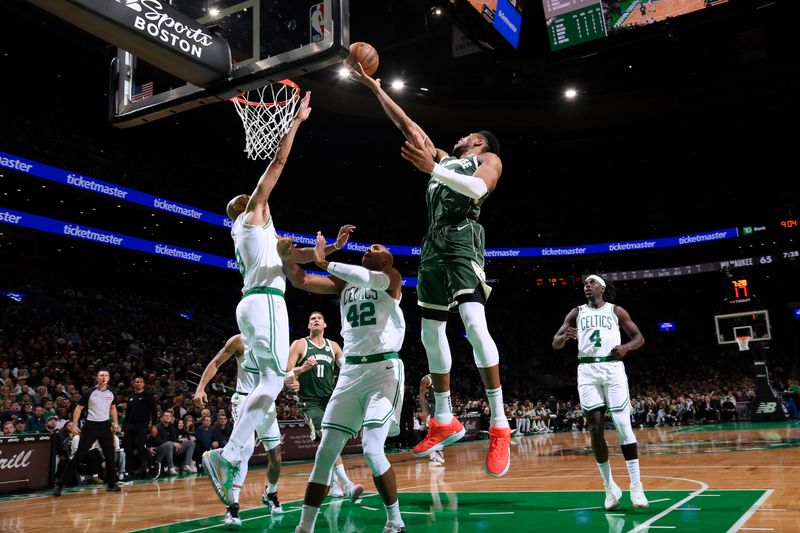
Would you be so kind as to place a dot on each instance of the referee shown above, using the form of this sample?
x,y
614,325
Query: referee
x,y
101,405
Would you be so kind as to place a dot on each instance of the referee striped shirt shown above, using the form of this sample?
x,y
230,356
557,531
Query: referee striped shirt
x,y
97,403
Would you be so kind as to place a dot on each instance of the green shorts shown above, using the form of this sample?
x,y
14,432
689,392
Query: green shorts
x,y
313,413
451,264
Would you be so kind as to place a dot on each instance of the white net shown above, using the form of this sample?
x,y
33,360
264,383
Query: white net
x,y
267,114
743,343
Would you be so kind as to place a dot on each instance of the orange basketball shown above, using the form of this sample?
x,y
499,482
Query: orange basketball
x,y
365,54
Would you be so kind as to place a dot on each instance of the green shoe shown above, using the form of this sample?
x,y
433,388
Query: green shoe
x,y
221,473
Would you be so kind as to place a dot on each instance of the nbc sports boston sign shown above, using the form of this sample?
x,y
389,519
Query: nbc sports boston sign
x,y
154,31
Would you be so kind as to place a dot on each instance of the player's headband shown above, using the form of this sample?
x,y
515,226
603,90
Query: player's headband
x,y
598,279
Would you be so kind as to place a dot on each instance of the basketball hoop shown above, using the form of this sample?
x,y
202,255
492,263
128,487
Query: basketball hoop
x,y
743,342
267,114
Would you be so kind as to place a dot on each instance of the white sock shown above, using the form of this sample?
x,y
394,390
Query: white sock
x,y
308,517
633,471
393,514
341,477
444,411
232,452
272,488
495,397
241,475
605,472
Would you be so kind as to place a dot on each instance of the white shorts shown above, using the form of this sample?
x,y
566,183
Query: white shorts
x,y
369,395
603,385
267,430
264,323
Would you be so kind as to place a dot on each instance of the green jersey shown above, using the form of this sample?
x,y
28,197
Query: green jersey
x,y
447,207
316,385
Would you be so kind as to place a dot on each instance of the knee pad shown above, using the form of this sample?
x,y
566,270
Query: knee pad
x,y
622,422
330,447
434,339
484,350
377,462
372,442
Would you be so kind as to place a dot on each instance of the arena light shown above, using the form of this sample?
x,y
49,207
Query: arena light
x,y
344,72
398,85
570,94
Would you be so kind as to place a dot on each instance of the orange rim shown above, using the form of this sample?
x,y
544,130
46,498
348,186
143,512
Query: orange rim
x,y
288,83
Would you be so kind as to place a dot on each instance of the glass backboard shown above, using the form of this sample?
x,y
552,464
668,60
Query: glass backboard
x,y
269,39
755,324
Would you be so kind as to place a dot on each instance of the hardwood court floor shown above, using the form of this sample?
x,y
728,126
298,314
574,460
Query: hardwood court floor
x,y
710,478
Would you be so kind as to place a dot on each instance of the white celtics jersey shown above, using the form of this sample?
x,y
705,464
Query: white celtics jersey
x,y
257,255
372,321
598,330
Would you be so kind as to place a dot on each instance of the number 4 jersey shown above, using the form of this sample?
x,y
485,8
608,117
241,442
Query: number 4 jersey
x,y
372,321
598,330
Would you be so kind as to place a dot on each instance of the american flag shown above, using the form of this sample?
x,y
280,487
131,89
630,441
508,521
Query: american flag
x,y
142,91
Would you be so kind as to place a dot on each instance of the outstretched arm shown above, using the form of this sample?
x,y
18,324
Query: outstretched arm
x,y
257,211
637,339
388,280
299,278
312,283
306,255
395,112
476,186
567,330
234,346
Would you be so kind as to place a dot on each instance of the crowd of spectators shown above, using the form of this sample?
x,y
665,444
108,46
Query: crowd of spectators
x,y
54,341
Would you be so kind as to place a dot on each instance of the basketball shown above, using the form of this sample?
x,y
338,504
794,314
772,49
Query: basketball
x,y
365,54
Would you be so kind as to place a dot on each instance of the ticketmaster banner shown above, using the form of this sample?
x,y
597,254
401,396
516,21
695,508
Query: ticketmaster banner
x,y
26,220
33,168
73,179
59,227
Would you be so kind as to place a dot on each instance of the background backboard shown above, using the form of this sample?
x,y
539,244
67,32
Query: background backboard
x,y
269,39
730,325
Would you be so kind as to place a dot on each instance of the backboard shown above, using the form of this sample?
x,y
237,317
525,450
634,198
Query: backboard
x,y
754,324
269,39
